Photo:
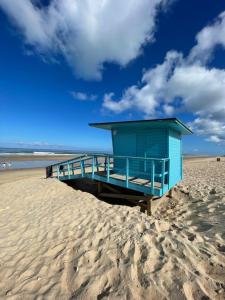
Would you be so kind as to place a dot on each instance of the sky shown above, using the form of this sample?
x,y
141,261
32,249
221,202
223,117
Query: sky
x,y
64,64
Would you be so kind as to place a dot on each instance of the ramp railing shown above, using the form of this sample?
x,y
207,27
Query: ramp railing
x,y
108,167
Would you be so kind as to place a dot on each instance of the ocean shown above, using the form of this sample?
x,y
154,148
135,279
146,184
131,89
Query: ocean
x,y
7,163
35,151
6,153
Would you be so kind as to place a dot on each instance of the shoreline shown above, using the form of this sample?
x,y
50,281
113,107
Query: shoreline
x,y
13,157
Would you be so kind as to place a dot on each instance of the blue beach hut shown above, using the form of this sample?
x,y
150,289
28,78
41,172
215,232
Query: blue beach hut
x,y
147,157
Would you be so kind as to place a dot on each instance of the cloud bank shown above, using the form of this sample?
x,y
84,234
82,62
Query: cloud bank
x,y
83,96
86,33
183,85
208,39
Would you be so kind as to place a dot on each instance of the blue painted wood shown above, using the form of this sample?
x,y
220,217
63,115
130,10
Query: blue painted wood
x,y
163,176
127,172
93,167
124,144
175,172
141,151
152,176
68,168
108,168
145,163
82,168
181,169
132,186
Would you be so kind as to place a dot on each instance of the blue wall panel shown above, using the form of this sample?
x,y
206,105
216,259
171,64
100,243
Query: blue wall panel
x,y
175,157
124,144
152,143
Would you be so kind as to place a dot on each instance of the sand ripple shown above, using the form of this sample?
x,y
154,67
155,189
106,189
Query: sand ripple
x,y
58,243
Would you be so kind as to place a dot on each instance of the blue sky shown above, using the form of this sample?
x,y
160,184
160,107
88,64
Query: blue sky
x,y
63,66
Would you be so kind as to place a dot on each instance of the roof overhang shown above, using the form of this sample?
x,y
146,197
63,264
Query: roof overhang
x,y
173,123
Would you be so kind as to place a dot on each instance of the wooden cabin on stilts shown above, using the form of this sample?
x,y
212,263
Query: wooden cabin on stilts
x,y
147,158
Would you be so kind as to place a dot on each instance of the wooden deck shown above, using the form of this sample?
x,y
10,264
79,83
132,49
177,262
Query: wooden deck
x,y
101,168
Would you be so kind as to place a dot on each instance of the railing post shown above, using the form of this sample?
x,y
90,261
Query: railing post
x,y
68,170
105,163
127,172
108,160
152,176
93,167
96,160
58,172
83,164
163,176
82,168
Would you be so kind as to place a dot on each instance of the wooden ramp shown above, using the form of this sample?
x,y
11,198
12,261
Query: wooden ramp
x,y
149,176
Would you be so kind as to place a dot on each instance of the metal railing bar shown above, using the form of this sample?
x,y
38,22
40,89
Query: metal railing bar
x,y
152,177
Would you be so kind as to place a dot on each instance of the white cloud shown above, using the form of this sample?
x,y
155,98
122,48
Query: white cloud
x,y
87,33
168,109
183,85
202,90
208,38
175,86
214,130
150,93
83,96
214,139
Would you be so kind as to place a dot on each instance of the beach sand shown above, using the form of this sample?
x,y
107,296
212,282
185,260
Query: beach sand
x,y
15,175
61,243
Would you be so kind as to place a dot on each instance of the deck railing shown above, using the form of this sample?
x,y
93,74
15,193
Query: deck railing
x,y
97,166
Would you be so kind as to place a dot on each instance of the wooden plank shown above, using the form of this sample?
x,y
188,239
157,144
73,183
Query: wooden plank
x,y
131,198
123,196
99,187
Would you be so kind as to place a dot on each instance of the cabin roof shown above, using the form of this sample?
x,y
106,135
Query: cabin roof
x,y
173,123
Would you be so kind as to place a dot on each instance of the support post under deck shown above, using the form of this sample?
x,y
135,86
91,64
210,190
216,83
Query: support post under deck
x,y
149,206
99,187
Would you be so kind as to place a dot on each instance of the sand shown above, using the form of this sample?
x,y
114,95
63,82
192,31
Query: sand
x,y
15,175
61,243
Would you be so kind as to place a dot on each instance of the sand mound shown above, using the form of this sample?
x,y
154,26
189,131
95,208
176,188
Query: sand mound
x,y
58,243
